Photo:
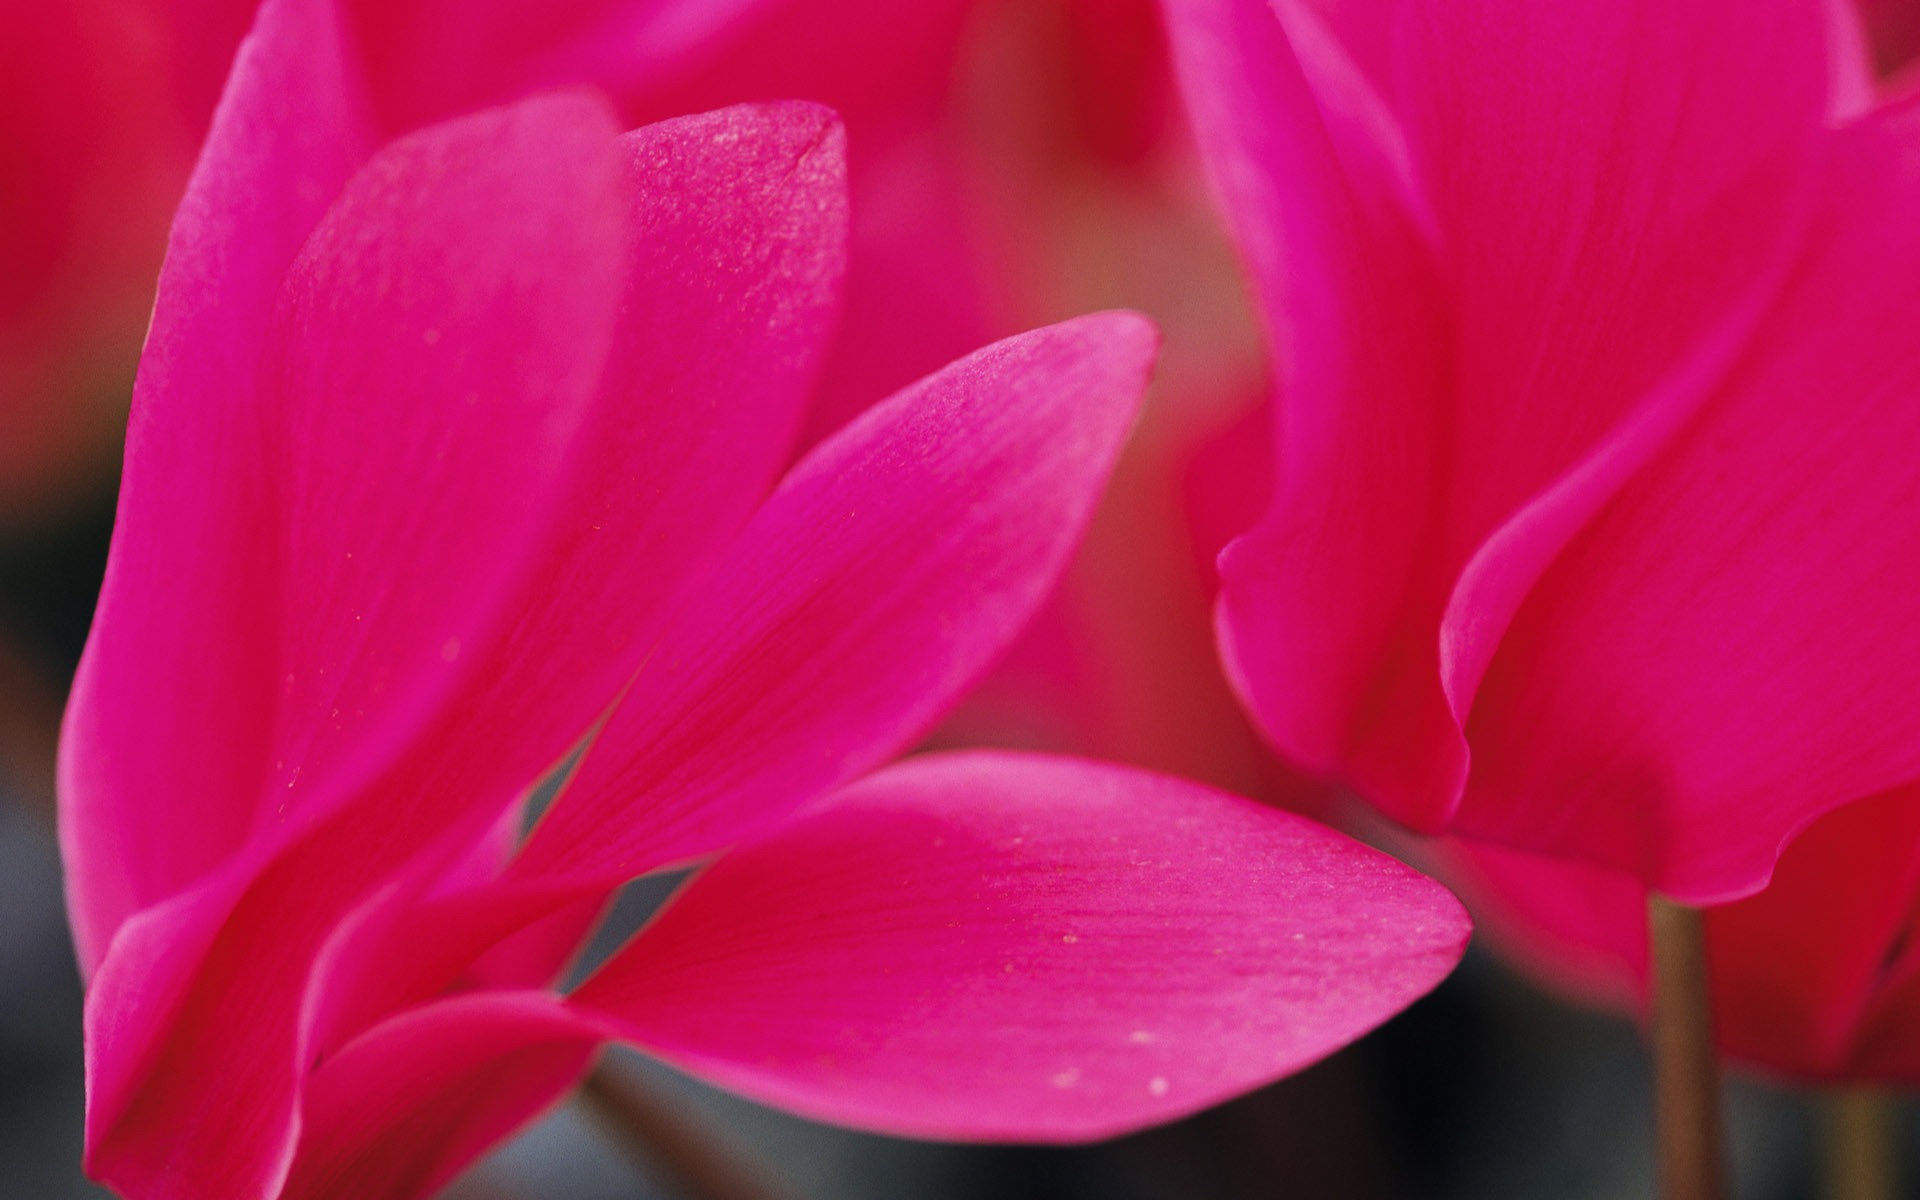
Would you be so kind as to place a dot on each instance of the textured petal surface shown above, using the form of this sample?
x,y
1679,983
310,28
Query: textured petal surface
x,y
994,946
879,580
736,222
155,699
447,326
478,232
736,234
1729,648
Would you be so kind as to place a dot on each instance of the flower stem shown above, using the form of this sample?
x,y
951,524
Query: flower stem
x,y
658,1136
1859,1158
1686,1077
29,730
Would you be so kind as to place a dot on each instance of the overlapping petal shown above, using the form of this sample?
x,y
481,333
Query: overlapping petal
x,y
1342,275
1604,201
398,1112
996,946
1727,649
1811,978
735,246
190,529
507,200
1000,456
936,950
510,221
1620,188
887,571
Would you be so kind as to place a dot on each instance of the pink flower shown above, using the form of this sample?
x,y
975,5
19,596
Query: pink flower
x,y
1597,495
1817,977
456,464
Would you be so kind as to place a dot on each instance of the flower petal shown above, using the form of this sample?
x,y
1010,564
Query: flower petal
x,y
1610,178
1728,649
1852,90
1614,192
398,1112
1809,978
171,686
736,226
998,946
1799,967
737,223
1621,188
1314,599
445,326
882,577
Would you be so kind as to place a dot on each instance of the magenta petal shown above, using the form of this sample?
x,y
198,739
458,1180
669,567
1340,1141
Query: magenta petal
x,y
1800,970
917,295
155,697
737,242
1729,649
1813,977
881,578
1611,181
1621,188
446,325
399,1111
1852,89
1315,600
1614,192
1000,946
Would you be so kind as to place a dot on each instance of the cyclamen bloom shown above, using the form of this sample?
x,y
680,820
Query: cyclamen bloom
x,y
1597,494
457,455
